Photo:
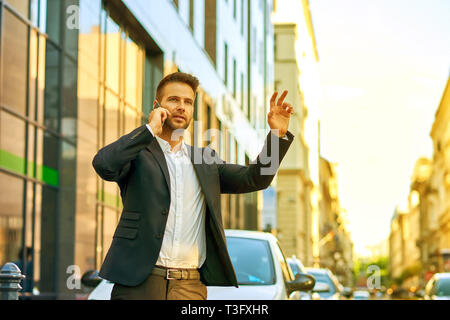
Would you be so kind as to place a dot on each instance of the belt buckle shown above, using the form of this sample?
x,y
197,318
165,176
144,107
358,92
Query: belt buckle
x,y
167,274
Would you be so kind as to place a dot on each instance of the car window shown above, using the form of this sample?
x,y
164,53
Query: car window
x,y
443,287
252,261
433,288
285,268
336,282
324,278
295,268
429,287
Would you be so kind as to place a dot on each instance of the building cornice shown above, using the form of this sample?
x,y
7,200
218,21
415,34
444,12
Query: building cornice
x,y
442,111
310,27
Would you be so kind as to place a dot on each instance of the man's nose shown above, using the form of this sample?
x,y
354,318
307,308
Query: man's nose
x,y
181,106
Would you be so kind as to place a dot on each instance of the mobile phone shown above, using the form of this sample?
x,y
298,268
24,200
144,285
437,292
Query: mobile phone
x,y
159,106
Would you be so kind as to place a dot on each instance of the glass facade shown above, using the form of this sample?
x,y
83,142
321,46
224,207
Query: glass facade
x,y
114,71
75,75
65,93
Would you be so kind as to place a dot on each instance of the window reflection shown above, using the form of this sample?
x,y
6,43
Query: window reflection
x,y
109,224
14,62
11,192
52,85
111,117
12,143
41,79
20,5
69,100
48,172
110,93
33,69
133,78
112,55
251,260
131,119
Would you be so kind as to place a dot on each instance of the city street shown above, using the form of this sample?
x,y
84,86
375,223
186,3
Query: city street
x,y
224,150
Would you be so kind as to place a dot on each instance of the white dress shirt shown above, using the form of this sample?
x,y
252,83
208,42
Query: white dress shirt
x,y
184,242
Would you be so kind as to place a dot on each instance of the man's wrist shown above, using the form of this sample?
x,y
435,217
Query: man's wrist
x,y
279,134
150,129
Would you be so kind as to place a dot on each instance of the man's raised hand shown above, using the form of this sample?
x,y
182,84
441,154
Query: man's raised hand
x,y
279,114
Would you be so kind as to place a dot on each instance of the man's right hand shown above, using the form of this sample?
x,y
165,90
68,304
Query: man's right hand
x,y
156,119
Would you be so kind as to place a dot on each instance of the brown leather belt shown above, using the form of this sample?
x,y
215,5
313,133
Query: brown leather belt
x,y
176,274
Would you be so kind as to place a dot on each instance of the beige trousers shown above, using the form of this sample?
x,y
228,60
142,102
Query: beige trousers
x,y
158,288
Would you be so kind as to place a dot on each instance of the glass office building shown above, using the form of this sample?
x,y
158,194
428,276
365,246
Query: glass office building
x,y
75,75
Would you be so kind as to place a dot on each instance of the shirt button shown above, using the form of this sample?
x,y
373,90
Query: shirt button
x,y
159,236
165,212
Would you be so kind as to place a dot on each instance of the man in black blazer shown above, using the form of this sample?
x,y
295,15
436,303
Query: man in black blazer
x,y
170,242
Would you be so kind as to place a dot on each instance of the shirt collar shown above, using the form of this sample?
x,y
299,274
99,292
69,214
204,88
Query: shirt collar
x,y
165,146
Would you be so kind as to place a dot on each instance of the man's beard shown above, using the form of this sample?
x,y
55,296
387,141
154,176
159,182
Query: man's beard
x,y
174,126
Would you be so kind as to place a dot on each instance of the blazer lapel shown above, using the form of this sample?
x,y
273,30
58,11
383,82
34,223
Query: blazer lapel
x,y
201,169
157,152
196,158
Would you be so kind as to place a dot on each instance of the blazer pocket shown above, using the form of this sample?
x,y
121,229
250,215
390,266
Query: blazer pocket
x,y
127,233
128,224
128,215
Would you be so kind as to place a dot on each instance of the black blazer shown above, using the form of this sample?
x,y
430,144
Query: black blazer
x,y
137,163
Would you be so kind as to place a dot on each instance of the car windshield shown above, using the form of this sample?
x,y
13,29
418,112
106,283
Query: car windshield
x,y
357,295
324,278
252,261
295,268
443,288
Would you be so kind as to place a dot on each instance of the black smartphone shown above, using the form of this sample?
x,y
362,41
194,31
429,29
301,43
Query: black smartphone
x,y
159,106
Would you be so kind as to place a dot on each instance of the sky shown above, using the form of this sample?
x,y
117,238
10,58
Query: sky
x,y
383,66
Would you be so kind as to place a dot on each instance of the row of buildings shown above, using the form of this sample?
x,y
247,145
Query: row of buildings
x,y
75,75
419,241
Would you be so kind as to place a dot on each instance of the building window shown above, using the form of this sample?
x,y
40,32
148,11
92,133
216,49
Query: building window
x,y
191,15
220,144
226,65
242,91
254,45
234,78
38,124
120,95
242,17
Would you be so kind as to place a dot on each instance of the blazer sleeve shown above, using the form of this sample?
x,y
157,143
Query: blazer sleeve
x,y
260,173
113,161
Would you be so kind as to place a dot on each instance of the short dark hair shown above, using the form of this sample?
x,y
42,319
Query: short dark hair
x,y
186,78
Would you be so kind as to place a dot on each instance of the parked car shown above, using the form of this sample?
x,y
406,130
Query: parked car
x,y
361,295
438,287
327,285
297,267
261,269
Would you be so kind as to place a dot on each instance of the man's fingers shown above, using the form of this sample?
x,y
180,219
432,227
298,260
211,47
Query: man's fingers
x,y
272,100
165,114
287,109
290,109
281,99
